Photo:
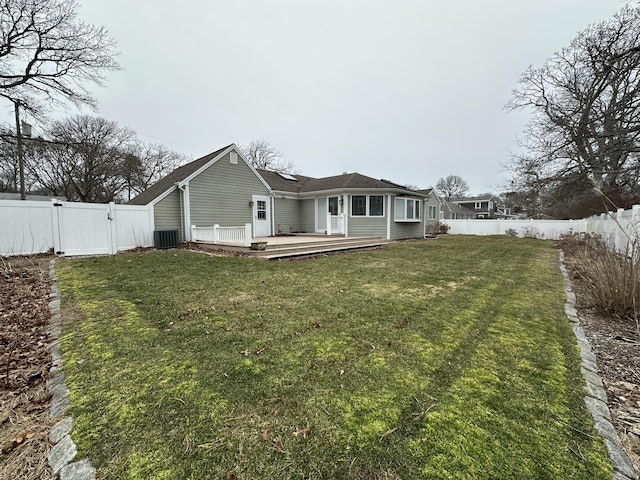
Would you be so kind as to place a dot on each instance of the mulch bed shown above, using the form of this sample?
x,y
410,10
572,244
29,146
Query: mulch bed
x,y
616,343
25,364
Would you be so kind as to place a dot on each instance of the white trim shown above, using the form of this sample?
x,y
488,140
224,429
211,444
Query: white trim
x,y
345,205
255,199
186,213
367,206
389,216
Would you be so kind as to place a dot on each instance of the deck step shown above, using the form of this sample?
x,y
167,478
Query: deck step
x,y
310,249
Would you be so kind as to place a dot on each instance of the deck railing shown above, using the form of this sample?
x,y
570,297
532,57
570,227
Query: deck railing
x,y
335,224
240,235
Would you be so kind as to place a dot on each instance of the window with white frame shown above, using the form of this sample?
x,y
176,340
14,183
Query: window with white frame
x,y
432,212
367,205
376,206
407,210
478,205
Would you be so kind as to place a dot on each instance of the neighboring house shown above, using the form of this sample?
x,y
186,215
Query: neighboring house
x,y
223,188
452,211
432,207
486,206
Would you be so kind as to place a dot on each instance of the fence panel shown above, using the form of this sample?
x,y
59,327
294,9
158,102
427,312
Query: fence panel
x,y
82,229
133,226
617,229
70,228
25,227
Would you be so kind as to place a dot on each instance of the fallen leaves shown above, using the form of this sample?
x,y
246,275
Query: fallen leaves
x,y
303,431
16,441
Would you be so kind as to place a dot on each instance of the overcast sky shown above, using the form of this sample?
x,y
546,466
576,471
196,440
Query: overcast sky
x,y
410,91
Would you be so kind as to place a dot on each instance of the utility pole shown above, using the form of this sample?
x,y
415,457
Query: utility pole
x,y
16,104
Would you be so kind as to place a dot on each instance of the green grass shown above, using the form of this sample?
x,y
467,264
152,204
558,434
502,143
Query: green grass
x,y
440,359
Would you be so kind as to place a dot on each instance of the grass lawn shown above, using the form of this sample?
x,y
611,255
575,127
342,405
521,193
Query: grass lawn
x,y
438,359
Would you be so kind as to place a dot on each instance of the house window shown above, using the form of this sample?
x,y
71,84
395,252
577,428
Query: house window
x,y
478,205
367,205
407,210
376,206
432,212
333,206
359,205
262,210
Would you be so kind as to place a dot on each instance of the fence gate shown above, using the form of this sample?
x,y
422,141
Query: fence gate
x,y
82,229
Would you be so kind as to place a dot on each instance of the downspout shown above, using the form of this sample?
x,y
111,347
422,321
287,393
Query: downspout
x,y
186,210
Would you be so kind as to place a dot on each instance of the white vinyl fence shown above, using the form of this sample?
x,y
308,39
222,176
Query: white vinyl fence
x,y
617,229
240,235
71,228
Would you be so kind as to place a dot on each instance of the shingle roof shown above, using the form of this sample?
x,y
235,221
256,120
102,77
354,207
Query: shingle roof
x,y
350,181
179,174
455,208
280,184
302,183
426,191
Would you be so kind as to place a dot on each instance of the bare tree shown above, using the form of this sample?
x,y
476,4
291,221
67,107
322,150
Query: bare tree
x,y
90,159
451,187
47,53
584,134
266,157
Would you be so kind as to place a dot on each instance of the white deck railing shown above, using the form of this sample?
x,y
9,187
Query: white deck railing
x,y
223,235
335,224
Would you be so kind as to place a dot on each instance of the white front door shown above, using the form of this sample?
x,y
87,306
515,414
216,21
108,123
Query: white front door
x,y
261,216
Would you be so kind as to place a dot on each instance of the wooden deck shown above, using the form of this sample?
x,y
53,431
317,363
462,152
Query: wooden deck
x,y
299,246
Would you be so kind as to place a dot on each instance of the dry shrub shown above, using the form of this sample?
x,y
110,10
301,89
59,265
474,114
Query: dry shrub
x,y
611,279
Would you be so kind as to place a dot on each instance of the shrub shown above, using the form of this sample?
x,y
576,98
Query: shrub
x,y
512,232
611,279
531,233
443,227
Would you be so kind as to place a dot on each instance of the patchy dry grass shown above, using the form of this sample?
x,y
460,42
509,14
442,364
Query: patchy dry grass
x,y
428,359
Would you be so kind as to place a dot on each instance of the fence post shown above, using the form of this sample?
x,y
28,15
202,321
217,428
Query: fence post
x,y
328,224
113,228
55,223
619,233
247,235
194,237
216,233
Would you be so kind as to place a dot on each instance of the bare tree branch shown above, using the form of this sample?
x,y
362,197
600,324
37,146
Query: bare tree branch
x,y
266,157
46,51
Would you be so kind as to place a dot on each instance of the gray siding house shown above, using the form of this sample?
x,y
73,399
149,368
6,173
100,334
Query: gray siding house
x,y
223,188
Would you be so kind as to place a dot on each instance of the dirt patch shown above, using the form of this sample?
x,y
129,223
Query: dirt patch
x,y
24,367
616,343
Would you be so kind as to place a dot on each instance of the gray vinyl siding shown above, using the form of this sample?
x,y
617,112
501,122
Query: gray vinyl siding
x,y
308,215
288,212
360,226
167,214
221,194
400,230
368,226
431,201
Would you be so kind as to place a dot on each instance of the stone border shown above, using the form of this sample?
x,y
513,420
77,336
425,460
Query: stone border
x,y
63,452
596,398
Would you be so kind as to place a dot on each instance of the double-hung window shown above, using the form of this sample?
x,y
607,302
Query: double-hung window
x,y
367,205
407,209
432,212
